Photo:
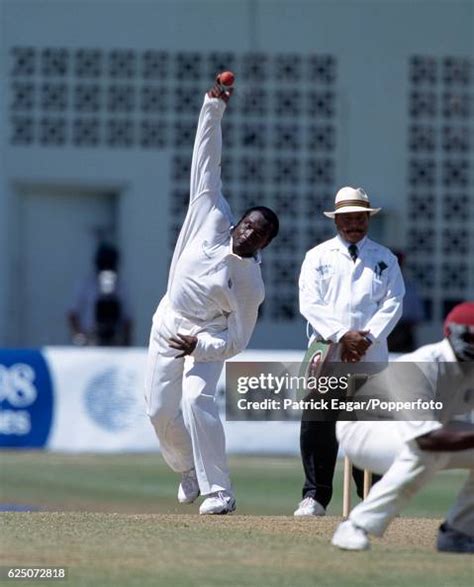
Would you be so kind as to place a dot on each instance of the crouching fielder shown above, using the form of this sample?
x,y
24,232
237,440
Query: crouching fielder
x,y
410,453
206,316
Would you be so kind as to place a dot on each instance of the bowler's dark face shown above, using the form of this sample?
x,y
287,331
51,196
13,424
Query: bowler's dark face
x,y
251,234
353,226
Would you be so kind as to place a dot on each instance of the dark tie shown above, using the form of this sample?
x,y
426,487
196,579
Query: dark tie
x,y
353,252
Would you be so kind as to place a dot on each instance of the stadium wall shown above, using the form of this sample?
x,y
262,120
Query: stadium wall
x,y
98,100
91,400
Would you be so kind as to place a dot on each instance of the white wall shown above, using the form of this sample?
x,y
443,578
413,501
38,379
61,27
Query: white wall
x,y
372,41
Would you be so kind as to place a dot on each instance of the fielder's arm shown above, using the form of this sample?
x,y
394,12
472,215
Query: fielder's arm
x,y
445,440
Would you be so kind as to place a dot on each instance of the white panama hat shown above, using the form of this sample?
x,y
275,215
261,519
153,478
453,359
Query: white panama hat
x,y
349,200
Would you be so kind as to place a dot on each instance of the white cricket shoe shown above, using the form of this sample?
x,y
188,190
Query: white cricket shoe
x,y
309,507
189,487
350,537
221,502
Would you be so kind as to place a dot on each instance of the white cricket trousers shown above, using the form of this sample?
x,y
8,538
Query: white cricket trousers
x,y
181,403
378,446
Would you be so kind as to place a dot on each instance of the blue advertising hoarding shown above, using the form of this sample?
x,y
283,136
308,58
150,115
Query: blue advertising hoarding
x,y
26,399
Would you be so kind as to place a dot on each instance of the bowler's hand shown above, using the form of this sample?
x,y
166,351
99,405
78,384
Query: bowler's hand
x,y
183,342
217,92
354,345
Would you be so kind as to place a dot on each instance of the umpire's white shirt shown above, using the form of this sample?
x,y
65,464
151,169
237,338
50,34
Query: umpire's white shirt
x,y
214,291
337,295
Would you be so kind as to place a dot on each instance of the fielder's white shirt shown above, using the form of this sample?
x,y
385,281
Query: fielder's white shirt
x,y
213,289
376,444
337,295
438,361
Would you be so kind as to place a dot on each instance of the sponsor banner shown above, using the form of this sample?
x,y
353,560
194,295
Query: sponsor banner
x,y
281,438
26,399
99,402
92,400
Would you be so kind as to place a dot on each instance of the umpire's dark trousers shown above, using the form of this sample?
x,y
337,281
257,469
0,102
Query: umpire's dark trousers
x,y
318,445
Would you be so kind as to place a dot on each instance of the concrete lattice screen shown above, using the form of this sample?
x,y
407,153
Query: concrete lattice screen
x,y
282,134
440,207
284,111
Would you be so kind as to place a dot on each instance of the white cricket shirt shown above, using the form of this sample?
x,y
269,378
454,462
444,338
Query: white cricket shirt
x,y
456,391
215,290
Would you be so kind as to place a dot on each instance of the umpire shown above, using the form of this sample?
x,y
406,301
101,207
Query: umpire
x,y
351,292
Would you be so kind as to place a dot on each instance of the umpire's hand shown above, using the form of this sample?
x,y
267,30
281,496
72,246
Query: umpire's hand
x,y
183,342
354,345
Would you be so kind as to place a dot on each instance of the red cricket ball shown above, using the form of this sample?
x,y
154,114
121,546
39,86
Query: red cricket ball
x,y
226,78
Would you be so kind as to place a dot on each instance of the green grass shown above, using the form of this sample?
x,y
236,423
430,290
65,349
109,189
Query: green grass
x,y
120,550
148,541
143,483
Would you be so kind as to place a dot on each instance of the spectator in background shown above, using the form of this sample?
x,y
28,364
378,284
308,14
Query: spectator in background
x,y
100,314
403,337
